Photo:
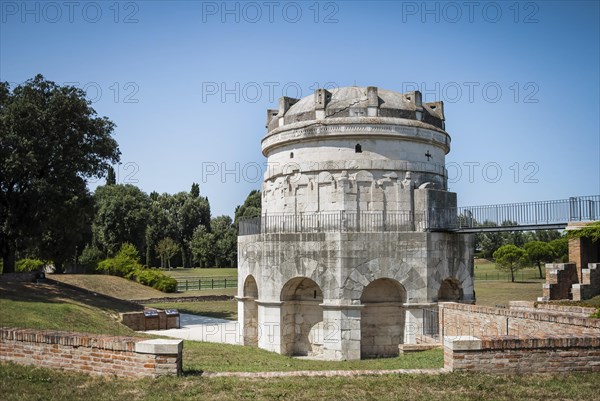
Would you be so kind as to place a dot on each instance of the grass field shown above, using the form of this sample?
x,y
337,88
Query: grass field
x,y
46,306
208,272
486,270
21,383
218,309
119,287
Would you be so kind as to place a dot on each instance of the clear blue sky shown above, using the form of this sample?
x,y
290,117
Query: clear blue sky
x,y
520,82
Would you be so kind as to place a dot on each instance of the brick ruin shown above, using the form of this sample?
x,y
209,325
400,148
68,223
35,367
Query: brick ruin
x,y
580,278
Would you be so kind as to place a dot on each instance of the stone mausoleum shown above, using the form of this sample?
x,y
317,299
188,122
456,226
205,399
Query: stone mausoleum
x,y
357,239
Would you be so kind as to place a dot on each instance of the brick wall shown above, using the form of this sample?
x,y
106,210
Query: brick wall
x,y
507,354
481,321
137,321
104,355
522,339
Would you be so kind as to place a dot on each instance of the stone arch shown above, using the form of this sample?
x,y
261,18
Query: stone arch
x,y
382,318
301,311
450,290
250,295
385,267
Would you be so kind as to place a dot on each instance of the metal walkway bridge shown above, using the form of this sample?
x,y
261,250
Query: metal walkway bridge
x,y
542,215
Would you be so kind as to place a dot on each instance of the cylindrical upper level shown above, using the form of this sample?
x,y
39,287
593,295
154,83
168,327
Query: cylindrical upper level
x,y
360,129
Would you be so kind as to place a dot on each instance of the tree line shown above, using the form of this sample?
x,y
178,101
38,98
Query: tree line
x,y
52,142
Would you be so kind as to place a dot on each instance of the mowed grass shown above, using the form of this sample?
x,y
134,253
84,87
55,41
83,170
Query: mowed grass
x,y
122,288
53,307
218,309
20,383
50,307
212,357
489,291
197,272
492,293
486,270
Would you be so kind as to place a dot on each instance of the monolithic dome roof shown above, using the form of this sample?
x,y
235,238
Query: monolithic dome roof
x,y
356,101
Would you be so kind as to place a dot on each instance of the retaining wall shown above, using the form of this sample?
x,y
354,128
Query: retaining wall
x,y
103,355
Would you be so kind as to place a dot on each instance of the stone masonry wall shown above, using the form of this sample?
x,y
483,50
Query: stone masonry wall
x,y
505,354
480,321
103,355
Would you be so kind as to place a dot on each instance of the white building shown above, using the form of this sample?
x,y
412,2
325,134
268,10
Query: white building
x,y
356,236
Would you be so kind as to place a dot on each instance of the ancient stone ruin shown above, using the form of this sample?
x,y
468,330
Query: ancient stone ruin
x,y
356,241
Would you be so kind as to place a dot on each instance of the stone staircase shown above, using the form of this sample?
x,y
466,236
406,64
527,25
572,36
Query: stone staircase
x,y
590,283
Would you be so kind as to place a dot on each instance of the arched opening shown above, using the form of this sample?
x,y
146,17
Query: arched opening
x,y
382,318
358,148
450,291
250,312
300,313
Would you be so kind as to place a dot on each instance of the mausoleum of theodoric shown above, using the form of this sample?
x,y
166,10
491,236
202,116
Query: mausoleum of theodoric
x,y
356,241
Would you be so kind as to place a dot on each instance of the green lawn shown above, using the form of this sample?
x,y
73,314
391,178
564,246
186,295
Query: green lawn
x,y
47,306
208,272
212,357
486,270
20,383
218,309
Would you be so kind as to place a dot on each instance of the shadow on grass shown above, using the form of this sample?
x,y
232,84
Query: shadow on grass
x,y
52,292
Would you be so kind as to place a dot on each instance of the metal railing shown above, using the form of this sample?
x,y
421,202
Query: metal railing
x,y
527,215
431,324
206,283
350,222
582,208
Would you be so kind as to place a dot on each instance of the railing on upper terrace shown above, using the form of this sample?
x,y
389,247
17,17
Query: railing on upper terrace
x,y
506,217
344,221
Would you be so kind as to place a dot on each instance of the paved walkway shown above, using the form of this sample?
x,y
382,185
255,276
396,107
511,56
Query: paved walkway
x,y
203,328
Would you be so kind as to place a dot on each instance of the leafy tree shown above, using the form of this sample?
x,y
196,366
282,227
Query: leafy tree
x,y
195,191
539,252
51,142
202,247
185,213
510,258
512,237
166,249
125,262
225,241
560,247
250,208
111,177
90,257
122,212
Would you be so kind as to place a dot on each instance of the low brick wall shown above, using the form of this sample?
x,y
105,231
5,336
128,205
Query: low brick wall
x,y
506,354
542,307
103,355
481,321
139,322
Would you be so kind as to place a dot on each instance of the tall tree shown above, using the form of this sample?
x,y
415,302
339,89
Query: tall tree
x,y
202,247
250,208
166,249
111,177
510,258
185,213
121,216
51,142
539,252
225,241
195,191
